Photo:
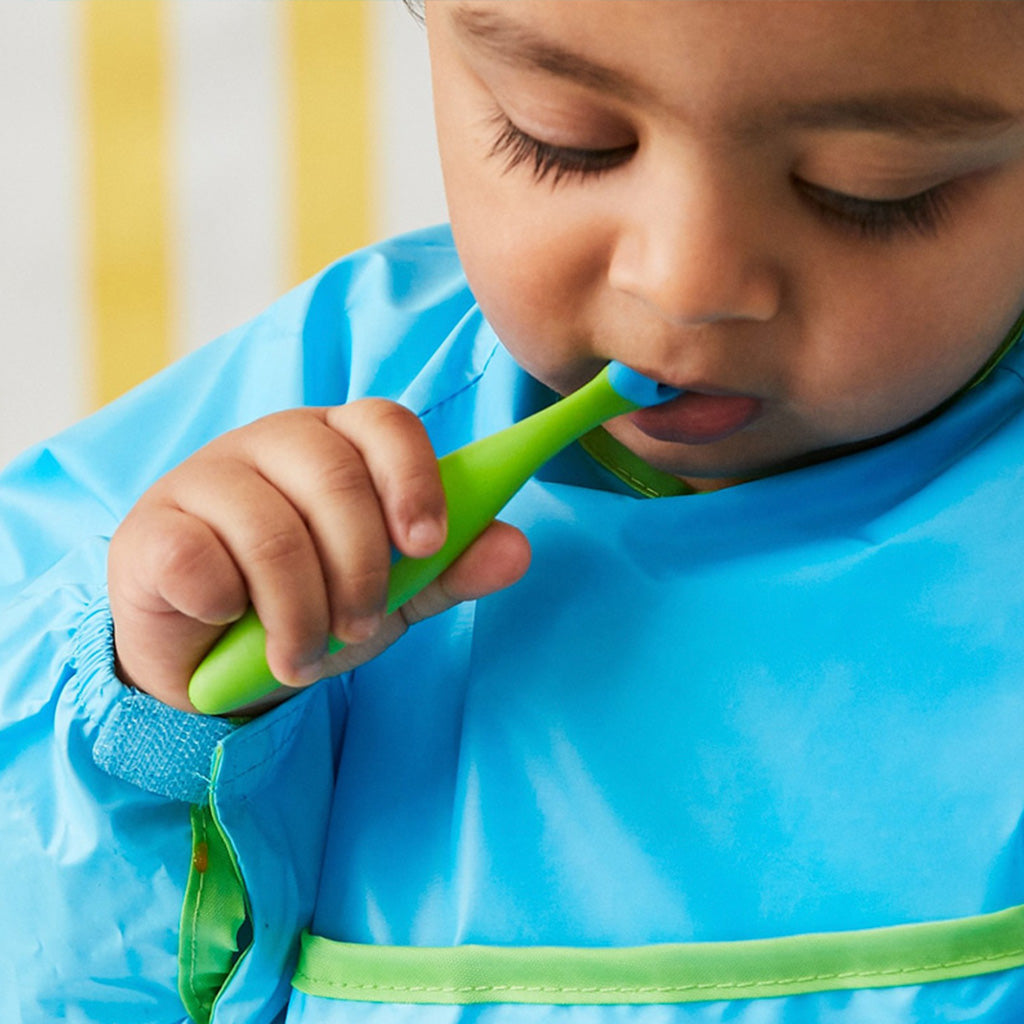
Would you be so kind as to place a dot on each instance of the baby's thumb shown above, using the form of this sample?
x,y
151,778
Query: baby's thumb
x,y
495,560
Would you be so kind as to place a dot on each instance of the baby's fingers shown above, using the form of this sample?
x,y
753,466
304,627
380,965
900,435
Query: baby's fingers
x,y
400,459
169,560
496,559
268,540
172,585
367,480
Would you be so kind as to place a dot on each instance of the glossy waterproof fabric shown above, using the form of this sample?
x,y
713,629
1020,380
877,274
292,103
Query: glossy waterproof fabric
x,y
792,706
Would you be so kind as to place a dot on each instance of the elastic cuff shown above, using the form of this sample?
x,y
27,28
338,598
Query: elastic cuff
x,y
139,739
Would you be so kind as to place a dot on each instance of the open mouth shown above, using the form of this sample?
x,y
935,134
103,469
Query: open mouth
x,y
697,417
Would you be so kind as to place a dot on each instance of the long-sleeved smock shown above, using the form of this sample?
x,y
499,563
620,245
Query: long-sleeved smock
x,y
753,755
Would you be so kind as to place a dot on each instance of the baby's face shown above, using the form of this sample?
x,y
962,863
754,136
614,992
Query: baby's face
x,y
811,215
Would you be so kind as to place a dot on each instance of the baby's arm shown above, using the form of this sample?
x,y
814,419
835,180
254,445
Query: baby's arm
x,y
296,513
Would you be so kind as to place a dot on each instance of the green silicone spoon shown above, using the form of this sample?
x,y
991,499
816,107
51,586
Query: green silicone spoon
x,y
478,479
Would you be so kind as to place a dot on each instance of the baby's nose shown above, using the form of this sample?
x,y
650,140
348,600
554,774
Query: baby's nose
x,y
692,254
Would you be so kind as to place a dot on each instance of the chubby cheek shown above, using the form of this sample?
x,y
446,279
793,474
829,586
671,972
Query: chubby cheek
x,y
538,288
891,361
534,259
915,334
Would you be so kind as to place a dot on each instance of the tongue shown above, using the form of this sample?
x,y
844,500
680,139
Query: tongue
x,y
697,418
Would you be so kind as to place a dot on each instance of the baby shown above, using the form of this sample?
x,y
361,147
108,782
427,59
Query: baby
x,y
744,741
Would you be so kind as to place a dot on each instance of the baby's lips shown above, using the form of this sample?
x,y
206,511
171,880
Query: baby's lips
x,y
698,417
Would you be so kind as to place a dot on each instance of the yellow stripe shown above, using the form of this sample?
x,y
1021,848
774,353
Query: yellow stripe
x,y
329,71
126,119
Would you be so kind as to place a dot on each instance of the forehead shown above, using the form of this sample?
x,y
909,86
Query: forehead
x,y
952,62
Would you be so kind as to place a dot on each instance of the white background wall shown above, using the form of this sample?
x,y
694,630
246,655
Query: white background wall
x,y
226,97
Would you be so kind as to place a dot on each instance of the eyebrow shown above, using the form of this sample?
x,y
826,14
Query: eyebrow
x,y
942,115
935,114
518,44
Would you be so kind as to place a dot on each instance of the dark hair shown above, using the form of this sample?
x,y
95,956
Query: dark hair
x,y
415,8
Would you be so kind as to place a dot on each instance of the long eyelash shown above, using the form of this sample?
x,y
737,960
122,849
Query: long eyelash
x,y
881,219
548,161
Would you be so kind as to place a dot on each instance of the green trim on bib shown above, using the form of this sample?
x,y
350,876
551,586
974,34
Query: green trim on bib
x,y
212,916
672,973
653,483
1011,339
631,469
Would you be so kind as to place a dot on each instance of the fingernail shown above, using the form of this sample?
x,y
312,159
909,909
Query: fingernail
x,y
426,534
363,628
306,675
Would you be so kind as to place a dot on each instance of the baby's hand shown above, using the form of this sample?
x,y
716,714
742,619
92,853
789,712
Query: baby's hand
x,y
296,513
